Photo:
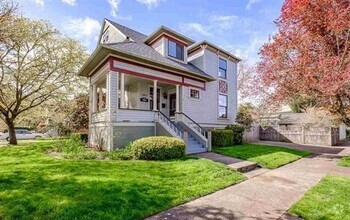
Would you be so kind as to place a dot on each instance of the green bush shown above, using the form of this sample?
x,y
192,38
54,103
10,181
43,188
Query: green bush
x,y
238,132
158,148
73,144
222,138
83,137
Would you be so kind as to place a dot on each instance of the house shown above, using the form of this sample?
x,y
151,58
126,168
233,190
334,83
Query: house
x,y
158,84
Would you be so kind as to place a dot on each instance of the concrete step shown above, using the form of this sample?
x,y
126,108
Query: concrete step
x,y
196,150
195,146
234,163
194,142
243,166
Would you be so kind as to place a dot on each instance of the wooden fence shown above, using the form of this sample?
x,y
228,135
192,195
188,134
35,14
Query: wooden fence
x,y
324,136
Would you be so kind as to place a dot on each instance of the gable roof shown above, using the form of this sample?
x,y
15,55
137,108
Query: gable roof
x,y
145,51
132,34
138,48
162,29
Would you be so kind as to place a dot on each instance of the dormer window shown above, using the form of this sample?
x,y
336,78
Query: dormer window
x,y
175,50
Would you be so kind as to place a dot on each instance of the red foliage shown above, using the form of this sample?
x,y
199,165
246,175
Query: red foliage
x,y
310,55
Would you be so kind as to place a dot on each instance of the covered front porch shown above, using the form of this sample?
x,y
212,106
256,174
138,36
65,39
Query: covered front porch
x,y
138,98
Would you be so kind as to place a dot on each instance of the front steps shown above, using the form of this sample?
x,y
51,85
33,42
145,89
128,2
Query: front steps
x,y
194,146
234,163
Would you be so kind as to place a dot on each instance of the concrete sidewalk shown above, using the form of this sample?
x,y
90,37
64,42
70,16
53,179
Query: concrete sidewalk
x,y
267,196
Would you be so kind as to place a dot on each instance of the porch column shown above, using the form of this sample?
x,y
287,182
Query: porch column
x,y
155,95
122,90
94,98
177,98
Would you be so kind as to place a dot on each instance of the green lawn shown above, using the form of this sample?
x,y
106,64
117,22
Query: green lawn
x,y
345,162
36,186
269,157
329,199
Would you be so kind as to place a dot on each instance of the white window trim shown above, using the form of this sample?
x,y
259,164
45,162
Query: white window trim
x,y
189,94
218,106
218,69
173,58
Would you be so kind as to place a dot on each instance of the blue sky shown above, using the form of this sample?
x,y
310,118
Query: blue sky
x,y
240,26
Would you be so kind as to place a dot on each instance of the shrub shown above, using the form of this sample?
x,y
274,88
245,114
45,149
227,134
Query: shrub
x,y
71,145
222,138
158,148
83,137
238,132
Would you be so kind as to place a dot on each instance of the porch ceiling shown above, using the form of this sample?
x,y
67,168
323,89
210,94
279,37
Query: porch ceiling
x,y
132,80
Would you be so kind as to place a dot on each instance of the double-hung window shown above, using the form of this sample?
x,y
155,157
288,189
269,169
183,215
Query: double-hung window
x,y
175,50
222,68
222,106
194,93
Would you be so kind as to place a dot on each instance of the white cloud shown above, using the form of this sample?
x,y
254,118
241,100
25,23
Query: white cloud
x,y
84,29
223,22
250,50
70,2
252,2
214,24
40,3
192,28
150,3
114,7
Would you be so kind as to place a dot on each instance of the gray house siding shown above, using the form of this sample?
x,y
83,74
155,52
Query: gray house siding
x,y
122,135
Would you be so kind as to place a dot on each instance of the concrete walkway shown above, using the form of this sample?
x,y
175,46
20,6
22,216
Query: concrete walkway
x,y
266,196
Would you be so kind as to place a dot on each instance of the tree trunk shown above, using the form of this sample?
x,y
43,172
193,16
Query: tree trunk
x,y
12,133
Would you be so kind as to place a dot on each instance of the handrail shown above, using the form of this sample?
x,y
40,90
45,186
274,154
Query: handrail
x,y
201,129
171,124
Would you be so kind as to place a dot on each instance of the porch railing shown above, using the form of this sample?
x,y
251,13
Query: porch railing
x,y
192,124
171,125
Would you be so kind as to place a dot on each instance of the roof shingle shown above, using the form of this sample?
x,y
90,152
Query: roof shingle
x,y
139,48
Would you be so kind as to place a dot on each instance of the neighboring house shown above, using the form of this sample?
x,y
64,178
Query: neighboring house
x,y
160,84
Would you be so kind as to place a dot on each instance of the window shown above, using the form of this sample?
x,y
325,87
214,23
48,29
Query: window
x,y
194,93
222,106
222,68
175,50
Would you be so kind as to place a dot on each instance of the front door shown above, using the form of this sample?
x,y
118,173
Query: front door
x,y
172,105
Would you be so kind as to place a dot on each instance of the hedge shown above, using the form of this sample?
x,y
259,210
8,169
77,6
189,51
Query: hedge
x,y
222,138
158,148
238,132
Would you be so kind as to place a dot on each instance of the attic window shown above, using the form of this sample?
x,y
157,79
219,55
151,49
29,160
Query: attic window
x,y
105,37
175,50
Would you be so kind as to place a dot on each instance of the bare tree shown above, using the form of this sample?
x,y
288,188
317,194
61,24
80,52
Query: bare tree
x,y
36,64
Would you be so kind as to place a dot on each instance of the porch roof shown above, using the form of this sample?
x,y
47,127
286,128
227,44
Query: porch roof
x,y
139,52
